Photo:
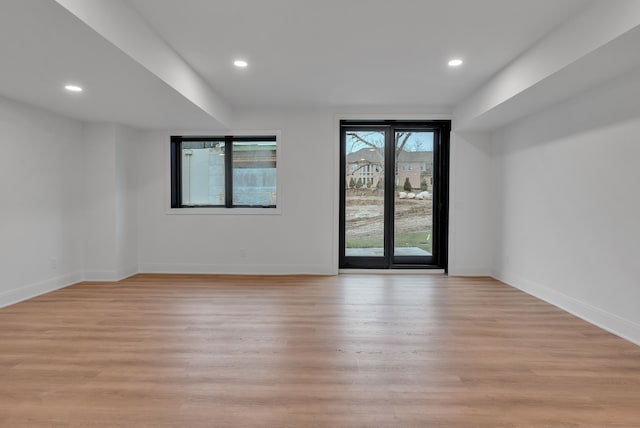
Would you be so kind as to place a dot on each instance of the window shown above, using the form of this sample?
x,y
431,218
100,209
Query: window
x,y
223,171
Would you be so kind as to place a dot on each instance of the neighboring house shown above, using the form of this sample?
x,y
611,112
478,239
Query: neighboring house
x,y
366,164
416,166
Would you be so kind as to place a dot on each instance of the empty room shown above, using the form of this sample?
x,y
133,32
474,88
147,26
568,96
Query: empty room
x,y
296,213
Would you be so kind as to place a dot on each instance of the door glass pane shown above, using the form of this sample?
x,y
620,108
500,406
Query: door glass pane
x,y
413,202
364,193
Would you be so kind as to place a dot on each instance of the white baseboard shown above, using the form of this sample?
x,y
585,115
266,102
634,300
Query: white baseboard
x,y
36,289
110,275
237,269
127,271
469,271
612,323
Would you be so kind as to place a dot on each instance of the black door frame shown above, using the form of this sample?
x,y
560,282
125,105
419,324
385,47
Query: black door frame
x,y
440,228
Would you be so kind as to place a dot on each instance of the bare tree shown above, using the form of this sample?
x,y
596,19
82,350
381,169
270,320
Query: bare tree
x,y
367,139
418,145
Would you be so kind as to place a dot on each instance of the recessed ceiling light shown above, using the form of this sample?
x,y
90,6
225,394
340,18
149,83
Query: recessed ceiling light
x,y
457,62
240,63
73,88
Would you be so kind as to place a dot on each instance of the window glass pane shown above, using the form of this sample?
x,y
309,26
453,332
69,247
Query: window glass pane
x,y
254,173
202,173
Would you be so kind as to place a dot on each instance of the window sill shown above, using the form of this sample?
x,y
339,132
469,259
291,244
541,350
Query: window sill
x,y
224,211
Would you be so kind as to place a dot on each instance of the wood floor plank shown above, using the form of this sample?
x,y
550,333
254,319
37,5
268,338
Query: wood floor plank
x,y
306,351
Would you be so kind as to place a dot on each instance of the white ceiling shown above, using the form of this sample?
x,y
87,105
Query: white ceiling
x,y
43,47
301,53
351,52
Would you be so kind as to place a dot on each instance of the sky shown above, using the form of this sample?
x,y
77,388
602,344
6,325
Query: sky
x,y
419,141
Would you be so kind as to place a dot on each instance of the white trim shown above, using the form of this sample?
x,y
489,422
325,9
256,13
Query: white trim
x,y
110,275
223,211
127,271
335,250
36,289
453,187
234,269
612,323
469,271
391,116
337,117
100,275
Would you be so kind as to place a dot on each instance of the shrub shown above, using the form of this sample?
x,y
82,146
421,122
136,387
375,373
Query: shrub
x,y
423,185
407,185
359,184
352,183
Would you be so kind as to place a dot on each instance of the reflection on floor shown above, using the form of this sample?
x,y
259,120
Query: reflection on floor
x,y
379,252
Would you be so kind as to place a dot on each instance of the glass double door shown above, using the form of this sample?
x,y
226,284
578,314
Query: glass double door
x,y
391,195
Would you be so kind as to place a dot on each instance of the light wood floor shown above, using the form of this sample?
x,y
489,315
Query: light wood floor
x,y
356,350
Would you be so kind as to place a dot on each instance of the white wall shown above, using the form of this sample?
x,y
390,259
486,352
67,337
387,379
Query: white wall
x,y
299,239
303,238
41,170
111,236
567,207
470,201
92,203
126,140
69,208
100,237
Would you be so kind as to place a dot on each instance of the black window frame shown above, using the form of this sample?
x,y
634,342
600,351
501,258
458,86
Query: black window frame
x,y
228,140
